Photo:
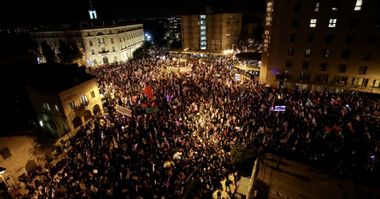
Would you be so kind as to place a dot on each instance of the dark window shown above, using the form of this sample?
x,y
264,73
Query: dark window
x,y
5,152
363,70
295,23
346,54
290,51
325,53
349,39
366,56
297,7
329,39
288,64
72,105
323,67
342,68
310,38
292,38
353,23
305,65
371,40
92,94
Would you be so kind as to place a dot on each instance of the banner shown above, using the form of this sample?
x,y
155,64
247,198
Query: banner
x,y
124,111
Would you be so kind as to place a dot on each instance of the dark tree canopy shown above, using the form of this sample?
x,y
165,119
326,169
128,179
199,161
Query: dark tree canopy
x,y
48,53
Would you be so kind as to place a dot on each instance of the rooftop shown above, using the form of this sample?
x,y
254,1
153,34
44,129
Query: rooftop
x,y
56,77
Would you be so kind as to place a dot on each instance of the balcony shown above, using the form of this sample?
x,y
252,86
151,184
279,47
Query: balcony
x,y
82,107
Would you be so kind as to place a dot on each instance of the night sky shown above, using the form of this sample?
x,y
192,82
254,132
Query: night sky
x,y
58,11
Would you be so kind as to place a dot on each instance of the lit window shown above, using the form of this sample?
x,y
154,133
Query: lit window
x,y
203,32
56,108
332,23
83,100
203,47
307,51
316,7
313,23
72,105
203,27
203,38
358,5
203,16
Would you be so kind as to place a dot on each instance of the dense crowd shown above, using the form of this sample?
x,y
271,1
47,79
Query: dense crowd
x,y
200,117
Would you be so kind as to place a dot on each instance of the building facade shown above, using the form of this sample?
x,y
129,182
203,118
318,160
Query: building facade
x,y
322,43
18,155
174,29
63,108
100,46
211,32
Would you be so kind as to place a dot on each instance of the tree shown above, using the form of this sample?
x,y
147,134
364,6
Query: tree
x,y
48,53
68,52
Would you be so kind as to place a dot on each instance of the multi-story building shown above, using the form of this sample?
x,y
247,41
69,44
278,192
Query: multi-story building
x,y
175,29
100,46
64,97
211,32
322,43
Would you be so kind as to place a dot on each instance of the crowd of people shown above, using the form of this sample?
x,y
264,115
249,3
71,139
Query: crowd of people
x,y
199,117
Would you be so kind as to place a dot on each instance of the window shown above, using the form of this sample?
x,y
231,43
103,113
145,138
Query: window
x,y
316,7
305,65
103,40
203,27
83,100
288,64
90,42
323,67
111,40
371,40
56,107
46,106
304,76
307,51
5,152
99,41
113,49
310,38
92,52
332,23
203,38
313,23
203,16
292,38
349,39
366,56
358,5
325,53
346,54
203,32
93,94
329,39
72,105
363,70
290,51
295,23
342,68
376,83
365,82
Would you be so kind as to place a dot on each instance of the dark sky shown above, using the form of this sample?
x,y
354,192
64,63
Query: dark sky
x,y
50,11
